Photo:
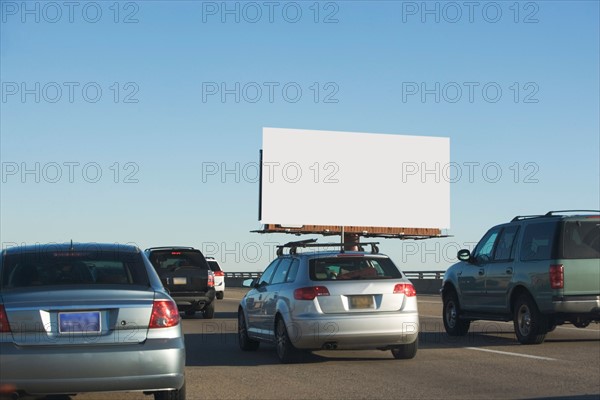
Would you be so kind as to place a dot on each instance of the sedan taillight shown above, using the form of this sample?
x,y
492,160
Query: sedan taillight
x,y
405,288
164,314
4,326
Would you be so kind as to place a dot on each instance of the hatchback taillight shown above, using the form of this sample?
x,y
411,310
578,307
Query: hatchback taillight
x,y
219,273
309,293
4,326
164,314
405,288
557,276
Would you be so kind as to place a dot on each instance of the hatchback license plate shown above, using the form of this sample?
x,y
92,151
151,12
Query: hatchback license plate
x,y
361,301
79,322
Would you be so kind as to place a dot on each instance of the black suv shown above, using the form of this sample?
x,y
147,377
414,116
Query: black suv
x,y
185,273
539,271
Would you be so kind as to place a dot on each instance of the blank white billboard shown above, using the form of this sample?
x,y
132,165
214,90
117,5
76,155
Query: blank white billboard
x,y
354,179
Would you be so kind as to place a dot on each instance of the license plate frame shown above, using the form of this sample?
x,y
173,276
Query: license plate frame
x,y
79,322
180,280
361,302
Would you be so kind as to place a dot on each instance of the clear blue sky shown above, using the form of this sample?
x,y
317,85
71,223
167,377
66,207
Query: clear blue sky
x,y
160,119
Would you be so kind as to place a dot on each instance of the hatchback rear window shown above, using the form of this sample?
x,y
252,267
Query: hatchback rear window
x,y
581,239
352,268
173,260
72,268
214,266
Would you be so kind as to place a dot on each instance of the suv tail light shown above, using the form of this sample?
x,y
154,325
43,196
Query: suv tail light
x,y
557,276
405,288
219,273
211,279
164,314
4,326
309,293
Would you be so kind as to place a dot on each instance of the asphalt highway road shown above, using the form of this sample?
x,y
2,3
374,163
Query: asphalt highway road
x,y
486,364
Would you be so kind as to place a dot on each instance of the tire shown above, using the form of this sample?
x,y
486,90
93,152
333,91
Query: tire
x,y
220,295
286,352
209,311
406,351
530,324
171,394
246,344
451,314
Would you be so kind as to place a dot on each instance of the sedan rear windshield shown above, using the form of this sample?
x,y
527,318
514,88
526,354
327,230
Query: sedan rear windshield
x,y
581,239
173,260
39,269
354,268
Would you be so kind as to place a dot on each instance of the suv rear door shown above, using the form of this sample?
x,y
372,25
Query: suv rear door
x,y
579,253
181,270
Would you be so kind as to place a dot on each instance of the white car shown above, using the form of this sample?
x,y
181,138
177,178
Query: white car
x,y
219,277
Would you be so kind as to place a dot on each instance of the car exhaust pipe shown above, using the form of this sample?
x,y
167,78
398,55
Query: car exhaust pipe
x,y
330,346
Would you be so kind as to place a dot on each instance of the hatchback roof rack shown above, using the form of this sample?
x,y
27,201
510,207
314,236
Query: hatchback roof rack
x,y
312,243
551,213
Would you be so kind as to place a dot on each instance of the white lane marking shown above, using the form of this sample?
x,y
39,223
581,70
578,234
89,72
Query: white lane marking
x,y
511,354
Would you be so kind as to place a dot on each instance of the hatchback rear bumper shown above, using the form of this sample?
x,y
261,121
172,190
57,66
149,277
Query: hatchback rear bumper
x,y
157,364
353,331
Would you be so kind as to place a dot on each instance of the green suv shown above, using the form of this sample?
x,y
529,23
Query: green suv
x,y
539,271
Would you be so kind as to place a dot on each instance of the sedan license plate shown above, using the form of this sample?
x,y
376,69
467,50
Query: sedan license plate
x,y
361,301
79,322
180,281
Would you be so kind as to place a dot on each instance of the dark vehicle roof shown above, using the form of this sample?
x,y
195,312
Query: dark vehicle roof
x,y
112,247
171,248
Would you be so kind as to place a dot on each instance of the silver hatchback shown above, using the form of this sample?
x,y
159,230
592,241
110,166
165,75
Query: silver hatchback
x,y
87,318
330,300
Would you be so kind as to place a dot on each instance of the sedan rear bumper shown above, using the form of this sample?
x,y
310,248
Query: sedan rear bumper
x,y
353,331
157,364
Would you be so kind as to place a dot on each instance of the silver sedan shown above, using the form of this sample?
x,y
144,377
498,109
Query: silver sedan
x,y
87,318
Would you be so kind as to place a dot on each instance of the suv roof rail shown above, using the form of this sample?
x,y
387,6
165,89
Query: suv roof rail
x,y
312,243
520,217
551,213
170,247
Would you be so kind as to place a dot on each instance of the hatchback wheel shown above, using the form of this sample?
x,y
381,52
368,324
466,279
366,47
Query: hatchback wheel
x,y
286,351
171,394
531,325
406,351
451,312
244,340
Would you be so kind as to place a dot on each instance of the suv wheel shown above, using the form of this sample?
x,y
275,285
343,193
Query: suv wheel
x,y
530,324
209,311
244,340
452,323
406,351
286,351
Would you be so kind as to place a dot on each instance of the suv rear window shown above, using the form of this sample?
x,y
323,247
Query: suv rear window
x,y
345,268
72,268
581,239
172,260
538,241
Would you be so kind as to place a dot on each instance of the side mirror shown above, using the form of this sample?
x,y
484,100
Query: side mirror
x,y
249,283
464,255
